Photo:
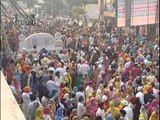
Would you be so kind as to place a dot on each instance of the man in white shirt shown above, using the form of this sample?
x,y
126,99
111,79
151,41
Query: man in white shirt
x,y
80,107
32,107
129,112
101,66
51,85
89,89
84,68
61,69
36,65
100,111
68,41
91,40
140,94
80,93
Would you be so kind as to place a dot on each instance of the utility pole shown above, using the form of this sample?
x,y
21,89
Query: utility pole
x,y
70,8
53,8
101,8
116,12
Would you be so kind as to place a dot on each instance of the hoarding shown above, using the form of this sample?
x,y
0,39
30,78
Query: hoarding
x,y
109,8
121,13
143,12
91,11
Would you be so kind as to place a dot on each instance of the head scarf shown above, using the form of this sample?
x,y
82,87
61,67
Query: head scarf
x,y
75,90
59,114
101,87
124,103
109,116
98,94
154,103
130,90
74,112
104,98
86,118
78,80
143,113
39,113
66,96
53,92
154,116
69,103
47,109
145,88
115,95
133,100
149,90
111,104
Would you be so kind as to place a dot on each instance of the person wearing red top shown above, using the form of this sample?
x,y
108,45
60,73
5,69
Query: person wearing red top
x,y
135,71
9,72
131,66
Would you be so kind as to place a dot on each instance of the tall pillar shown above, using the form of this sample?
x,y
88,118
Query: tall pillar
x,y
128,13
100,8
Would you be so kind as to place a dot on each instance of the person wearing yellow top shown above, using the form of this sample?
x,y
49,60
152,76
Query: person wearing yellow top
x,y
154,116
112,109
39,113
145,89
19,67
118,82
143,113
68,78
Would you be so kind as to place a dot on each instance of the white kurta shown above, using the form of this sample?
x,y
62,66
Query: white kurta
x,y
101,113
26,101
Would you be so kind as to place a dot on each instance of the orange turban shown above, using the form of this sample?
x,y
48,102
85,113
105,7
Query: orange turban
x,y
26,89
126,55
128,59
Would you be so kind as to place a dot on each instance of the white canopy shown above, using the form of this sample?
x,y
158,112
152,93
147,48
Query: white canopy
x,y
41,40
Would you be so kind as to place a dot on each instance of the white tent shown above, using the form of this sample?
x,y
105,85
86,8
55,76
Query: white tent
x,y
41,40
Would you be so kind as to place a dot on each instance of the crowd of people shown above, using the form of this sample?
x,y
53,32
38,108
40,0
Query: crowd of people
x,y
102,73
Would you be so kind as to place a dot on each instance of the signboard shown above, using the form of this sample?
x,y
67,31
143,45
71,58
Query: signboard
x,y
109,14
121,13
143,12
92,11
41,40
108,8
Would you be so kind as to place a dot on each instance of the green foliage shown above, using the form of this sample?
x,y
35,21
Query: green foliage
x,y
77,10
31,3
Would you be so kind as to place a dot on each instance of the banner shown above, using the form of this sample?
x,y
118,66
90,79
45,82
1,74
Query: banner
x,y
143,12
109,8
121,13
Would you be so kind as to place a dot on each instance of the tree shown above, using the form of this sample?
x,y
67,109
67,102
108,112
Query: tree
x,y
31,3
77,10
